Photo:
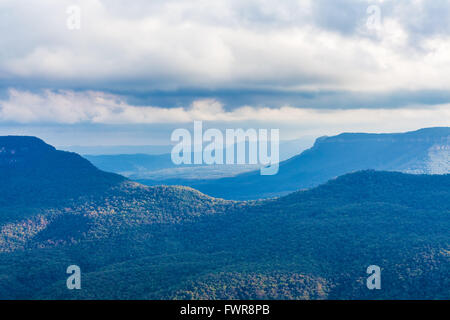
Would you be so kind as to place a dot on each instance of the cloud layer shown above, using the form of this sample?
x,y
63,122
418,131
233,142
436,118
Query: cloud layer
x,y
308,67
168,45
69,107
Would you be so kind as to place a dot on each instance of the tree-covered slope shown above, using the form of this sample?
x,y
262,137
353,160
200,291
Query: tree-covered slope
x,y
137,242
33,174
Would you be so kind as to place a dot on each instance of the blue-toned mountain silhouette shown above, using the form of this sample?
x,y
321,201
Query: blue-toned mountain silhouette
x,y
426,151
159,167
33,172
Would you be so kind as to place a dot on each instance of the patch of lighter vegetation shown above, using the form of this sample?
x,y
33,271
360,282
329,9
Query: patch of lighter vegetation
x,y
438,159
15,236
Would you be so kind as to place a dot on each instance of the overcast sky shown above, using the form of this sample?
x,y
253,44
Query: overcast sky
x,y
135,70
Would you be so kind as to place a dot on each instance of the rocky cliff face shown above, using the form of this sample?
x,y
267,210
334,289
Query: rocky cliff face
x,y
426,151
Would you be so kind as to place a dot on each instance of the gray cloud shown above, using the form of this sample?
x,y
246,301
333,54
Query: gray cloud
x,y
214,45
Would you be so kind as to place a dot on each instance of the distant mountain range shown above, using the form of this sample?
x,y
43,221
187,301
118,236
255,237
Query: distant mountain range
x,y
288,148
131,164
137,242
426,151
118,150
140,165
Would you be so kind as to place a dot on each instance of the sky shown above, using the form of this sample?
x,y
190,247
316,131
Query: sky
x,y
115,72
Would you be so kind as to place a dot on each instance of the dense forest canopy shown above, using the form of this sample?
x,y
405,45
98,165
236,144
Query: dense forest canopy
x,y
166,242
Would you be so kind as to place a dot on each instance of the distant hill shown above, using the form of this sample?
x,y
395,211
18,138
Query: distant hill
x,y
161,167
426,151
140,165
131,164
115,150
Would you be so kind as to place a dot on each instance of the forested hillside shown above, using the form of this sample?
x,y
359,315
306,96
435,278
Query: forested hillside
x,y
138,242
34,174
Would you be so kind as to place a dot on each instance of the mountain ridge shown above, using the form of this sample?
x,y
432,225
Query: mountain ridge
x,y
422,151
35,173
